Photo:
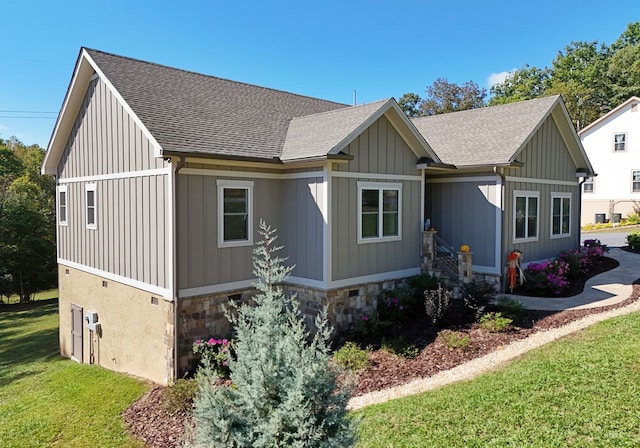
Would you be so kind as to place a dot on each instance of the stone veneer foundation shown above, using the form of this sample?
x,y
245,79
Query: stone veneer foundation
x,y
203,316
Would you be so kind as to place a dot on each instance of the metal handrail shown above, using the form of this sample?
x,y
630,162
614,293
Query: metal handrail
x,y
446,256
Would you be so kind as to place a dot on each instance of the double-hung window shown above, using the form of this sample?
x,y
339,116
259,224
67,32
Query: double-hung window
x,y
91,206
635,181
620,141
235,213
525,215
588,186
560,215
62,205
379,211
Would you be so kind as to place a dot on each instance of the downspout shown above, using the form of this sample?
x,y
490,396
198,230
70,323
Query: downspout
x,y
174,292
584,179
499,172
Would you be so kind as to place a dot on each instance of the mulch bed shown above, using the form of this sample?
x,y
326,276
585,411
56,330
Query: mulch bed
x,y
149,421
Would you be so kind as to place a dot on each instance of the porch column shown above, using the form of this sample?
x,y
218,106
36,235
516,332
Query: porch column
x,y
428,251
465,269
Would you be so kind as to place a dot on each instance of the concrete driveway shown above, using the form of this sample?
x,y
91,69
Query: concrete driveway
x,y
610,237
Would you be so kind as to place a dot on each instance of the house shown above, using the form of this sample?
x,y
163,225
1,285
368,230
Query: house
x,y
516,183
612,143
163,175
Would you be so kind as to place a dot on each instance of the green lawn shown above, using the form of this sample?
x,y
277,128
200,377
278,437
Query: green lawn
x,y
581,391
49,401
42,295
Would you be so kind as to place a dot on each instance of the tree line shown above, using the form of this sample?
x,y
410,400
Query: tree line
x,y
592,77
27,222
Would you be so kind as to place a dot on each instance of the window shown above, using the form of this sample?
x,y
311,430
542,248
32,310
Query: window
x,y
560,214
91,206
235,213
619,142
635,181
525,217
588,185
379,214
62,205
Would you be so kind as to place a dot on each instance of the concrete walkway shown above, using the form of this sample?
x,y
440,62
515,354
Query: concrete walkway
x,y
608,288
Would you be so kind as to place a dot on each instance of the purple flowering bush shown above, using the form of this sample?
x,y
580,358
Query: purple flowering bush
x,y
547,277
553,277
214,353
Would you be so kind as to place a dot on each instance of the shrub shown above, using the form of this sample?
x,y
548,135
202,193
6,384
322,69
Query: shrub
x,y
179,396
369,328
398,345
284,392
633,240
548,277
437,303
594,248
455,340
577,261
494,322
397,305
351,356
633,218
510,308
476,297
215,353
423,282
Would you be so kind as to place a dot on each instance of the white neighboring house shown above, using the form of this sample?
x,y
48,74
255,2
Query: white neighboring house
x,y
612,143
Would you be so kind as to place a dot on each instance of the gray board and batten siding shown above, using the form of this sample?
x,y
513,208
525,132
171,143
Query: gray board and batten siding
x,y
107,149
467,210
380,155
288,205
548,168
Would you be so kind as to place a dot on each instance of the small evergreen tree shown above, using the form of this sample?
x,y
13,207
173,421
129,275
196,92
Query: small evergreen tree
x,y
284,391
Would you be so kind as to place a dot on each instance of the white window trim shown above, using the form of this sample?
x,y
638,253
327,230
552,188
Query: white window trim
x,y
626,142
94,226
554,196
632,191
379,186
590,181
527,194
65,222
242,184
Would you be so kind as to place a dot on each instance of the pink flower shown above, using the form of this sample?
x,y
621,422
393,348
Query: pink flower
x,y
365,318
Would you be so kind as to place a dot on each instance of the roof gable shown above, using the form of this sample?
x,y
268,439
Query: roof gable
x,y
186,112
609,116
495,136
328,133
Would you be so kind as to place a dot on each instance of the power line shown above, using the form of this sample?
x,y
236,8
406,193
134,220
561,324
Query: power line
x,y
25,116
26,112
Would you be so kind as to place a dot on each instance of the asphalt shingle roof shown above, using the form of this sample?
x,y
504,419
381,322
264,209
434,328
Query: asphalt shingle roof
x,y
484,136
194,113
316,135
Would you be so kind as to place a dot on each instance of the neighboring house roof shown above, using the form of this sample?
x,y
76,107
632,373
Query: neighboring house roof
x,y
183,112
495,136
608,115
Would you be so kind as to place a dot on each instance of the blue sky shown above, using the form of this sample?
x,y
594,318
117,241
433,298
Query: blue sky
x,y
323,49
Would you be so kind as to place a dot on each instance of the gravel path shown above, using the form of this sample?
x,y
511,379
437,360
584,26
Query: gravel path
x,y
487,362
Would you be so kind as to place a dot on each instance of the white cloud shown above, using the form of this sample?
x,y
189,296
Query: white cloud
x,y
497,78
3,128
